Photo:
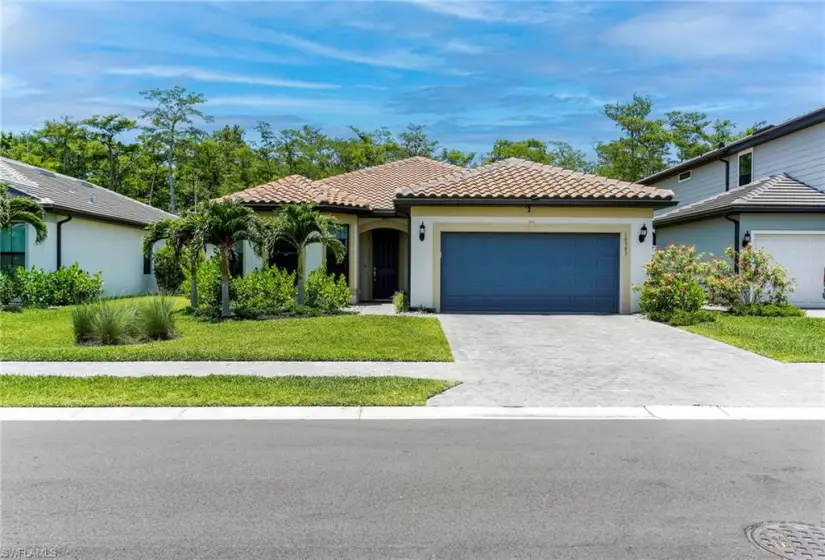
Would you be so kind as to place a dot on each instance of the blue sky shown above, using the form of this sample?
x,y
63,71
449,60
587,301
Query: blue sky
x,y
471,71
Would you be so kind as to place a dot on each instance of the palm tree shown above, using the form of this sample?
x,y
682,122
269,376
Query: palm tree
x,y
179,233
225,223
298,225
22,209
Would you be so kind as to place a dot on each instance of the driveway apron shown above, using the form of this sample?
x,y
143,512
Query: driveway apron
x,y
618,360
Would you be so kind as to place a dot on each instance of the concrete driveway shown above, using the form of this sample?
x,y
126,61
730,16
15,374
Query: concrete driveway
x,y
530,360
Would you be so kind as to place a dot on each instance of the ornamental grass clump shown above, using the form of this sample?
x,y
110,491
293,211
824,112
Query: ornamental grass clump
x,y
108,323
156,318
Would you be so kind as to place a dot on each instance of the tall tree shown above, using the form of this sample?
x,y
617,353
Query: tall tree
x,y
299,225
106,129
414,141
224,224
457,157
175,112
643,147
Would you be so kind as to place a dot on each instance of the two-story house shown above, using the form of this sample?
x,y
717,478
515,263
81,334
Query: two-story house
x,y
767,189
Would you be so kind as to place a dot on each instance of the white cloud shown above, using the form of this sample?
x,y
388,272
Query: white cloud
x,y
317,106
702,30
462,47
219,77
503,12
13,87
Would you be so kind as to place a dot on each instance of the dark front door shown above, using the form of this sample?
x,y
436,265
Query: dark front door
x,y
384,263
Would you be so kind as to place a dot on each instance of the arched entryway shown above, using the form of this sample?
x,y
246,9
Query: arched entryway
x,y
383,255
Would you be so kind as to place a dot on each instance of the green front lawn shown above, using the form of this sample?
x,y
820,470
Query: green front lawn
x,y
46,335
787,339
216,390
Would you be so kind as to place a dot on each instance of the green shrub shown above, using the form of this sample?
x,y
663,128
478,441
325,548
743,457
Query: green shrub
x,y
758,282
264,291
324,292
209,287
156,318
64,286
168,270
681,318
83,323
114,323
400,301
768,310
11,290
659,316
674,282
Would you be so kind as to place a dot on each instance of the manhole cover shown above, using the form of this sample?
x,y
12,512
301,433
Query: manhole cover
x,y
789,540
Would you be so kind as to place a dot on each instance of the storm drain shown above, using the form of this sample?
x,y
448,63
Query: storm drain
x,y
789,540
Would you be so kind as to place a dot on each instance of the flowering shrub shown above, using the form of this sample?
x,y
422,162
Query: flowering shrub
x,y
674,282
757,282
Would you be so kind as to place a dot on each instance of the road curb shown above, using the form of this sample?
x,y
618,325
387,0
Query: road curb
x,y
652,412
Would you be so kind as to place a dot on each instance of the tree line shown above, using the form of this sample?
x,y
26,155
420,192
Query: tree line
x,y
166,159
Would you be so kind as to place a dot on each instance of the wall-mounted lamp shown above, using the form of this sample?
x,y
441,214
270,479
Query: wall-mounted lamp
x,y
643,233
746,239
422,230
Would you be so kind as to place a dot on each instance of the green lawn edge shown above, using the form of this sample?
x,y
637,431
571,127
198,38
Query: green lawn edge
x,y
46,335
216,390
785,339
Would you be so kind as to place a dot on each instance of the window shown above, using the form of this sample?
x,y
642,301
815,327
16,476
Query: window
x,y
685,176
334,267
285,257
147,265
236,261
13,248
745,168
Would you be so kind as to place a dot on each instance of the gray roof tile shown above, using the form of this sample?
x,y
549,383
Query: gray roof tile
x,y
778,193
65,193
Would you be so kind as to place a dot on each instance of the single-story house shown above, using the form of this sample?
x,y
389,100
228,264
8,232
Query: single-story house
x,y
767,189
511,236
94,227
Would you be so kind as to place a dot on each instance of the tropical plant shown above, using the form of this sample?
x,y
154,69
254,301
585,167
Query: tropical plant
x,y
265,291
325,292
223,224
64,286
757,282
183,235
22,209
298,225
168,270
400,301
674,282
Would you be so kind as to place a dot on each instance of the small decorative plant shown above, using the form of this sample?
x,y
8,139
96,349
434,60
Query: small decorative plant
x,y
400,301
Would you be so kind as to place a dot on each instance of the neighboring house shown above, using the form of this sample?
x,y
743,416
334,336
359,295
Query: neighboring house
x,y
767,189
98,229
512,236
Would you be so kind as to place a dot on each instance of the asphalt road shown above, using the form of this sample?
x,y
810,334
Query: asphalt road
x,y
587,489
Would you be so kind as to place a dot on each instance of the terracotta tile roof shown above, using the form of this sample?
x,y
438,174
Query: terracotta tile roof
x,y
517,178
378,184
778,193
297,188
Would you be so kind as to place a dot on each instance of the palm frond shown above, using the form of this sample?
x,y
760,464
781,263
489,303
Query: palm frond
x,y
22,209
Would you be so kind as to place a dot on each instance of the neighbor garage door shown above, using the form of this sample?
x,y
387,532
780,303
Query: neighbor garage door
x,y
530,272
803,256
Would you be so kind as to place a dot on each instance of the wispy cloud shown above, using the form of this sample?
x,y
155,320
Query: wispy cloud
x,y
701,31
503,12
320,106
463,47
216,77
13,87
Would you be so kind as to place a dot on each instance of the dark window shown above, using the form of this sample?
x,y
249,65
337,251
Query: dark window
x,y
147,265
236,261
745,168
13,248
285,257
334,267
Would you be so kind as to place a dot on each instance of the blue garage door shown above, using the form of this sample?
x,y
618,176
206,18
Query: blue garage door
x,y
530,272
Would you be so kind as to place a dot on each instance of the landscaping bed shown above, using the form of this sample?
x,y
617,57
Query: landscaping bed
x,y
46,335
787,339
216,390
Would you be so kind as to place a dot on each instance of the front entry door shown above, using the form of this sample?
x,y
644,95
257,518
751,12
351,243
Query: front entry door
x,y
385,263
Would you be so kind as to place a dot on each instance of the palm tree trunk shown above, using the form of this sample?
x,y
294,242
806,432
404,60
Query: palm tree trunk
x,y
193,285
300,274
224,283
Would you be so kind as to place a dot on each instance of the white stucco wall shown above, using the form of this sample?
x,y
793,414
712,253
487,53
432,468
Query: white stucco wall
x,y
422,258
114,249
